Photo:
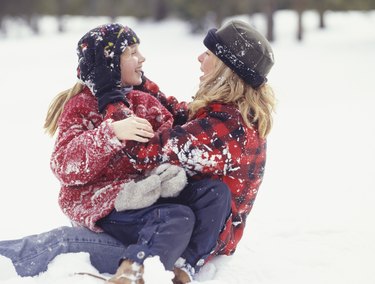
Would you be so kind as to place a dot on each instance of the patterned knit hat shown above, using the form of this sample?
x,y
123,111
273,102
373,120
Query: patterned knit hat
x,y
243,49
114,38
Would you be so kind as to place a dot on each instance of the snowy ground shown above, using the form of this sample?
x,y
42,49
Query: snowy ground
x,y
313,221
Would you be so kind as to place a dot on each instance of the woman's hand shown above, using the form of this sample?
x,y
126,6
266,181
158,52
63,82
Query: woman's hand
x,y
133,128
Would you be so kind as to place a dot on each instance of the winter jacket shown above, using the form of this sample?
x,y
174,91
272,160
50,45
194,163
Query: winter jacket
x,y
88,158
216,143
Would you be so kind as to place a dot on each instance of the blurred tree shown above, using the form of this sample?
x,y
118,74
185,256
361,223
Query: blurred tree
x,y
200,14
3,13
195,12
25,10
160,9
321,8
62,9
300,6
352,5
269,10
92,7
140,9
114,9
205,14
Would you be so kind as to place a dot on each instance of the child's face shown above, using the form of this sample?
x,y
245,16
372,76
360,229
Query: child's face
x,y
207,61
131,66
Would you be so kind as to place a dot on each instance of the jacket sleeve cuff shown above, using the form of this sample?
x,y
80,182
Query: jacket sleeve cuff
x,y
113,141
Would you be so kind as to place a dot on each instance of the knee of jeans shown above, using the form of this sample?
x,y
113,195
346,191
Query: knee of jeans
x,y
69,237
184,215
68,233
222,192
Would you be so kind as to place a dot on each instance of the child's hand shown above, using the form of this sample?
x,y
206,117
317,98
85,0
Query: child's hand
x,y
133,128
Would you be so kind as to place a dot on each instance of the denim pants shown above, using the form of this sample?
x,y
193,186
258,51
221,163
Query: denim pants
x,y
32,254
186,226
206,205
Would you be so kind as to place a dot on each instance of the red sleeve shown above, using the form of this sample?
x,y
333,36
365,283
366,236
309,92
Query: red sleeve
x,y
203,145
142,105
85,143
179,110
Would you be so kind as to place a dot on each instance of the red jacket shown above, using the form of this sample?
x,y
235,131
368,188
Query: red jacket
x,y
88,159
216,143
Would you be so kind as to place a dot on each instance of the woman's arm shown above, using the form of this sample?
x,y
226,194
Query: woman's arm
x,y
205,145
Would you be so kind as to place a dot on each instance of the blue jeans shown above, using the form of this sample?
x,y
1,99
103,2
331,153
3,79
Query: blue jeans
x,y
186,226
32,254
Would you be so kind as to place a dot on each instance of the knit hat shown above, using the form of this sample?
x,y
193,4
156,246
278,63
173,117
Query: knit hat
x,y
114,38
243,49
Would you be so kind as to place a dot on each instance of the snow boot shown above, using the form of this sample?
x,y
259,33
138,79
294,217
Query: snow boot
x,y
181,276
129,272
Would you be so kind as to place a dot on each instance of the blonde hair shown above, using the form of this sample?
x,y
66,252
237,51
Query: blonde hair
x,y
57,106
223,85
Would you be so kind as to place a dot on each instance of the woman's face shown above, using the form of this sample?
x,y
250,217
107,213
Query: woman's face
x,y
131,66
207,61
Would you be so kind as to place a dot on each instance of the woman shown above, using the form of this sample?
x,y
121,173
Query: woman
x,y
225,136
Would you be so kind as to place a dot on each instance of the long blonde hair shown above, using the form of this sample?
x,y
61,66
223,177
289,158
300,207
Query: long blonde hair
x,y
223,85
57,106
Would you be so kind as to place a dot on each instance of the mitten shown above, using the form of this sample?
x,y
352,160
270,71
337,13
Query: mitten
x,y
141,194
106,80
173,179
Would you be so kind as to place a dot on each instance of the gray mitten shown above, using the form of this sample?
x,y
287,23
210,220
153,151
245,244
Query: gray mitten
x,y
141,194
173,179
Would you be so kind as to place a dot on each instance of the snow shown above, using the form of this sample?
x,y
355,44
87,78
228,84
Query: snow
x,y
313,220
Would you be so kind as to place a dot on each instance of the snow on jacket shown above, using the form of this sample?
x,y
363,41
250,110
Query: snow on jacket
x,y
88,159
216,143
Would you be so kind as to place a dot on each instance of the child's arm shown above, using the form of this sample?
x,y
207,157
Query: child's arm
x,y
86,144
179,110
